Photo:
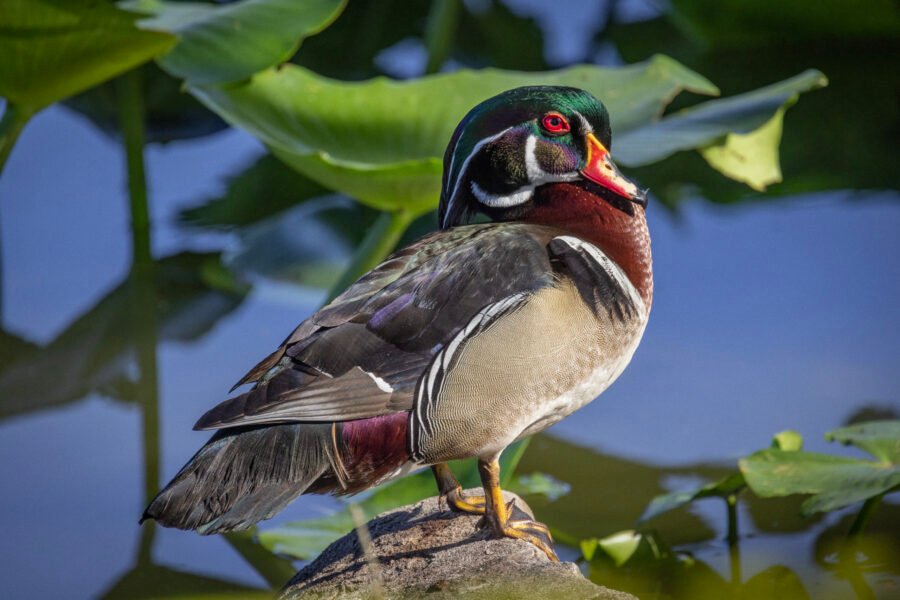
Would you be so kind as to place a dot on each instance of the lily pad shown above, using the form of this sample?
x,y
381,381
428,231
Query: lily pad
x,y
722,488
738,136
382,141
539,484
625,546
730,485
746,156
881,439
228,42
833,481
52,49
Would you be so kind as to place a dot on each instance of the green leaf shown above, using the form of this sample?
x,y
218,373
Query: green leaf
x,y
306,539
539,483
835,481
589,548
620,546
881,439
739,136
727,486
52,49
228,42
625,546
749,157
381,141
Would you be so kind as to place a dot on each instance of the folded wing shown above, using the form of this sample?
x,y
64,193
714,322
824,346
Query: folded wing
x,y
361,355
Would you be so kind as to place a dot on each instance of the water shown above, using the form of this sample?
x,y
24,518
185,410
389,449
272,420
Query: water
x,y
768,315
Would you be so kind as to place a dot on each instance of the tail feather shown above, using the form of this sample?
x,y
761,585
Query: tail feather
x,y
244,475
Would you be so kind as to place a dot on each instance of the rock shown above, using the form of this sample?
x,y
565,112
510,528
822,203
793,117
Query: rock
x,y
426,551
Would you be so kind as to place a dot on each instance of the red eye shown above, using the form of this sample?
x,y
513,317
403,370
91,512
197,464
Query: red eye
x,y
555,123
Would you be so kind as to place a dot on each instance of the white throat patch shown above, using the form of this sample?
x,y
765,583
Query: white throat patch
x,y
520,196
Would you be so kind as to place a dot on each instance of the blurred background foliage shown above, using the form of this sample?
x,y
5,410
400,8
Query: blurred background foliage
x,y
344,182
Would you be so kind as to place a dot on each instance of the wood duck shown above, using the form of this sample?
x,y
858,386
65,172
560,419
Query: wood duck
x,y
456,346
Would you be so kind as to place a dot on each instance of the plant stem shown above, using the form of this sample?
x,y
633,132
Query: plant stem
x,y
11,124
380,240
144,326
131,123
143,288
865,513
439,32
731,503
376,587
850,569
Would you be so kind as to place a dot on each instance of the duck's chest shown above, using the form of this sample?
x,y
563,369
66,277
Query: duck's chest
x,y
590,371
590,352
530,369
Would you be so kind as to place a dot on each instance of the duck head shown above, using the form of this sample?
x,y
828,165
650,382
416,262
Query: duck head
x,y
511,145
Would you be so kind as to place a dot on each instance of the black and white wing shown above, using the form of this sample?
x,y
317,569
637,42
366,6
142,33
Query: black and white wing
x,y
361,355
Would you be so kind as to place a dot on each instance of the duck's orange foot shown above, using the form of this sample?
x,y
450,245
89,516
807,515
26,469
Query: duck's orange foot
x,y
519,525
468,504
532,532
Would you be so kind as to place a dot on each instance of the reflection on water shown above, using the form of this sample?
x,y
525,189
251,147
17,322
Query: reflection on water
x,y
767,316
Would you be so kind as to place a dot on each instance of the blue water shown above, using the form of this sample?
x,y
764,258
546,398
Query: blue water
x,y
767,316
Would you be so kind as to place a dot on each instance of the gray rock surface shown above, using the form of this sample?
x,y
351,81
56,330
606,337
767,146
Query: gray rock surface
x,y
426,551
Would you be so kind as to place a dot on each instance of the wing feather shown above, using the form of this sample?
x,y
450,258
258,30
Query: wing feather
x,y
362,355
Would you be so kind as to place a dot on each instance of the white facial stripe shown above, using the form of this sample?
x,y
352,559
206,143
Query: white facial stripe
x,y
520,196
452,189
584,123
534,170
538,176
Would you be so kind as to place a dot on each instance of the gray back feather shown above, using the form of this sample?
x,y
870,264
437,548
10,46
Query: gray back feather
x,y
244,475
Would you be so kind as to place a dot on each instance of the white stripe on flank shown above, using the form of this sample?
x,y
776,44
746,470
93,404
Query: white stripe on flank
x,y
429,390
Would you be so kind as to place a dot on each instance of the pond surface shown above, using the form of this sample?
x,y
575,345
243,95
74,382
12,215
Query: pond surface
x,y
769,316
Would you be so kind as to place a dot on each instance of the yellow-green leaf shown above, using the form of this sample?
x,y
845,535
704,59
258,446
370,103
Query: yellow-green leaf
x,y
382,141
52,49
228,42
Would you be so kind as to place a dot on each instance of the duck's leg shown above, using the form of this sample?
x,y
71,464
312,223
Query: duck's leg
x,y
451,490
506,519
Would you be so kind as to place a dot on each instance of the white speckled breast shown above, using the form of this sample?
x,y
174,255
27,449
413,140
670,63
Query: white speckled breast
x,y
528,370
